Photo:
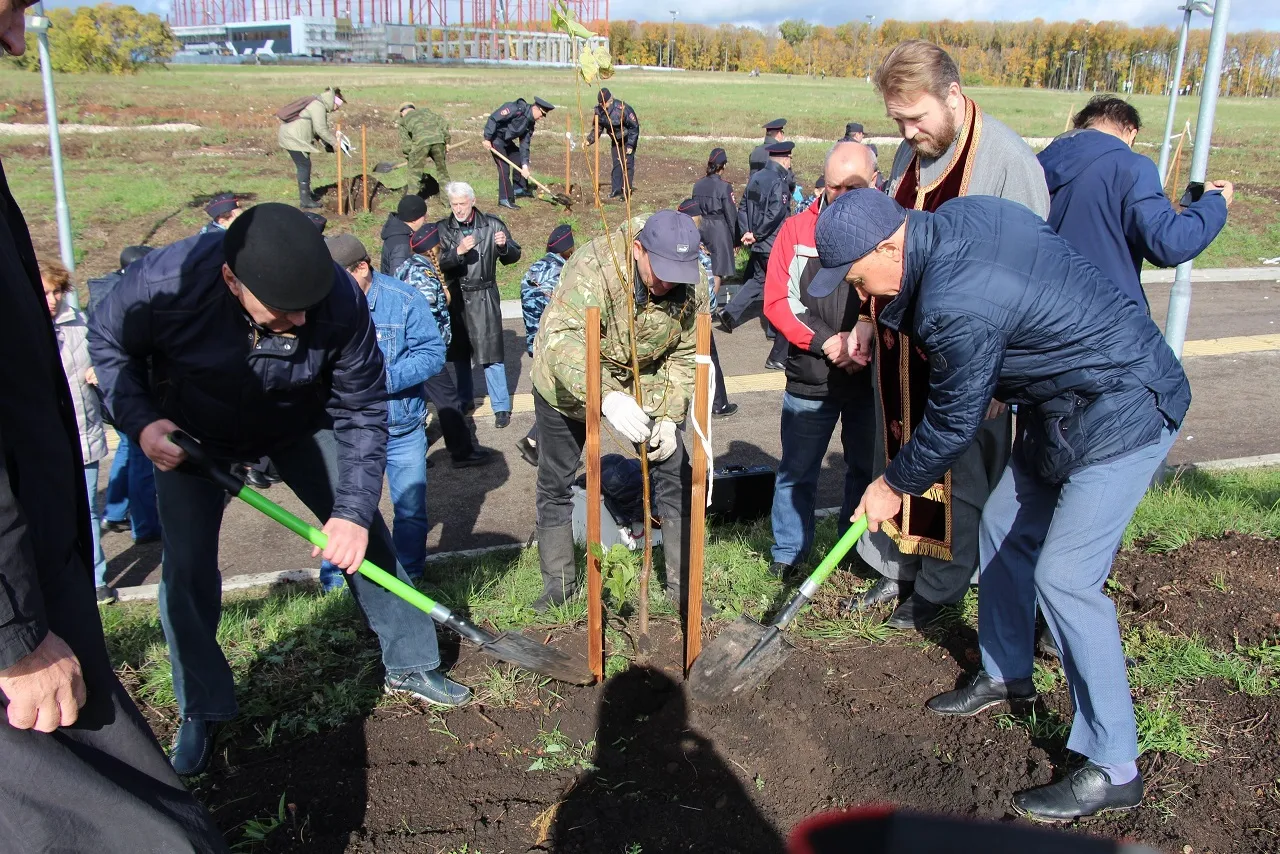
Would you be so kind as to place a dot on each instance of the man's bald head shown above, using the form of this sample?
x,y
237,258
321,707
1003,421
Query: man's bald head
x,y
850,166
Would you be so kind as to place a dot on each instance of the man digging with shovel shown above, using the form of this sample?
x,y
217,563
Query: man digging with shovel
x,y
256,344
1003,308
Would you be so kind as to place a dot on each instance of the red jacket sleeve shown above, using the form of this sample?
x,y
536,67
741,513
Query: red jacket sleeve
x,y
777,289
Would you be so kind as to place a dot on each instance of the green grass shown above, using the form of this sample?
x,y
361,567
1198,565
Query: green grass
x,y
1165,661
1162,729
120,185
1199,505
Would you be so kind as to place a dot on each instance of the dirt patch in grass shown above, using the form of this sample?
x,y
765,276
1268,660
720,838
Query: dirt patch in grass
x,y
636,765
1222,590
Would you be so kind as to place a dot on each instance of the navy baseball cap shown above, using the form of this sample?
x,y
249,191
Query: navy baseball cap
x,y
672,240
850,227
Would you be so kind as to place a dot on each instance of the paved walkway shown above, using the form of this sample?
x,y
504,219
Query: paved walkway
x,y
1232,357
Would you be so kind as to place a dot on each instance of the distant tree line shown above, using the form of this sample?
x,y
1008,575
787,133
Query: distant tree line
x,y
1035,54
105,38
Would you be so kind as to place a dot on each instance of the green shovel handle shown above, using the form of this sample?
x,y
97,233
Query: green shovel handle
x,y
811,584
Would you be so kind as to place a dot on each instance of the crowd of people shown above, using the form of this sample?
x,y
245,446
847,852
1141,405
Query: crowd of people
x,y
917,310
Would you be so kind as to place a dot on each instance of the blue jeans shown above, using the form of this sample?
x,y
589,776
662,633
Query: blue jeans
x,y
99,559
407,482
1056,544
807,424
191,588
131,490
495,381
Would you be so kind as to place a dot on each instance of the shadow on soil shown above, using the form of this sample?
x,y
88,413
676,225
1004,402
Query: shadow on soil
x,y
657,785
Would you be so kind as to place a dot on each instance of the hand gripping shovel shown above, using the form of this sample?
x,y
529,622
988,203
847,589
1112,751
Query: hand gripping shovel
x,y
745,653
558,198
507,646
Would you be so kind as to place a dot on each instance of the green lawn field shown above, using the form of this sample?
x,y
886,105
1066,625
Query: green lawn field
x,y
120,185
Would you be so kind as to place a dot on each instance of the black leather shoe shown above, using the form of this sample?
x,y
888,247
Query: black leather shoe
x,y
725,322
506,204
774,365
725,411
477,457
106,595
501,420
192,747
1085,791
1046,645
982,692
522,194
256,479
110,526
915,612
780,570
884,590
528,451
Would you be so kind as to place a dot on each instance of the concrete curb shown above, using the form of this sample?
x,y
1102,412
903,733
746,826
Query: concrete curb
x,y
149,592
511,307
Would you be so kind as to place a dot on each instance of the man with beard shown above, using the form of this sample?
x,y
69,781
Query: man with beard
x,y
928,552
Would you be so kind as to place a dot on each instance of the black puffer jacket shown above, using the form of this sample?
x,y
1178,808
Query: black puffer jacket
x,y
395,244
170,341
473,284
1006,309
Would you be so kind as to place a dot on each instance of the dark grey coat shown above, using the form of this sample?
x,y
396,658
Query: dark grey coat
x,y
719,222
473,284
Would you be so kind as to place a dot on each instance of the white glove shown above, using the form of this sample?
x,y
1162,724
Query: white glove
x,y
626,416
662,441
344,144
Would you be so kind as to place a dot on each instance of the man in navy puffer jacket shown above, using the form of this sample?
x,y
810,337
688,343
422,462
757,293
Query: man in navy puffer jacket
x,y
1106,199
1004,309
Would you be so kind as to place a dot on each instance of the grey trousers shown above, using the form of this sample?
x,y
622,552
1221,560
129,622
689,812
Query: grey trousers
x,y
973,477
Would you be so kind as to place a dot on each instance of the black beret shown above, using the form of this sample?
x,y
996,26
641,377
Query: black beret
x,y
776,124
317,220
545,105
778,149
411,207
275,252
560,239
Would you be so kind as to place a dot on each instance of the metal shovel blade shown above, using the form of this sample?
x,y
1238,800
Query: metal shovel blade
x,y
731,665
528,654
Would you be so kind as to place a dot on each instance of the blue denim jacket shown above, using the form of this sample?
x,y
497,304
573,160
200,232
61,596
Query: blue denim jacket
x,y
411,348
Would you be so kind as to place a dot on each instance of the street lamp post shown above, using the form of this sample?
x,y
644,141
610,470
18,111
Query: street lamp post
x,y
1133,65
1066,74
671,50
871,23
39,24
1176,82
1175,327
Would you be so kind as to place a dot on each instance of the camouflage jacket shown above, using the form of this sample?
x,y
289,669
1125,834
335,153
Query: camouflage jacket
x,y
665,333
536,287
419,130
423,275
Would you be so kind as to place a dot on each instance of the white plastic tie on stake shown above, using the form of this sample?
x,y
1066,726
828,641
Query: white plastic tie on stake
x,y
705,439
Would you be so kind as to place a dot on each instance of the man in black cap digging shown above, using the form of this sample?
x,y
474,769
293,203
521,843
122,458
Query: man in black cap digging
x,y
773,132
765,205
618,123
669,289
256,344
410,215
222,210
509,132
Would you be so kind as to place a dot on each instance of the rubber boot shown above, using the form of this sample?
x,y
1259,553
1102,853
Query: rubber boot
x,y
559,566
305,199
674,558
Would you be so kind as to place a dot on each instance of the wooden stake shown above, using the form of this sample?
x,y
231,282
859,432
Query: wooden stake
x,y
1071,112
1171,180
595,583
338,151
698,497
568,159
364,165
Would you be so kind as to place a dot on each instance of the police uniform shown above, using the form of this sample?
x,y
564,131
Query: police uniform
x,y
510,129
618,122
760,154
766,203
220,205
719,217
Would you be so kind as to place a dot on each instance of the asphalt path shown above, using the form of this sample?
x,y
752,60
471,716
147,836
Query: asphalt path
x,y
1233,368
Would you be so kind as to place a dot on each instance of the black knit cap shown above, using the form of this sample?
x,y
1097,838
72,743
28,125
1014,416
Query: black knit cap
x,y
276,252
411,207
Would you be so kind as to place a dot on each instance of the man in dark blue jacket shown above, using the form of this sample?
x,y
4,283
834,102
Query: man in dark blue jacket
x,y
256,344
1004,309
1106,200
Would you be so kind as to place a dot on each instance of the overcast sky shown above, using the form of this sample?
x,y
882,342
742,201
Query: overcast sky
x,y
1245,14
